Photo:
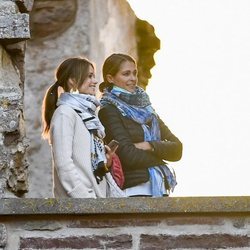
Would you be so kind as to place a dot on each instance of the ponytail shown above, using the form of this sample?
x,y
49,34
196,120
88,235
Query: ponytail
x,y
105,85
48,108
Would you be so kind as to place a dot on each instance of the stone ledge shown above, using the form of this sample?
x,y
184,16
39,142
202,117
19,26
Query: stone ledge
x,y
15,26
173,205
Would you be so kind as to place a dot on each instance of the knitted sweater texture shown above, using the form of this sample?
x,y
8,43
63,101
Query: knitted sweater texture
x,y
72,170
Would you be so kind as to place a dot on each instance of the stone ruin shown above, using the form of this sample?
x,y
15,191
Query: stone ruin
x,y
14,31
91,28
39,35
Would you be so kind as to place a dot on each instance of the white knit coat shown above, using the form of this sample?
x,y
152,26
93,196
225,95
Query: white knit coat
x,y
72,170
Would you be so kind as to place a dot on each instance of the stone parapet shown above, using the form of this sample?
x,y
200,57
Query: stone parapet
x,y
139,205
126,223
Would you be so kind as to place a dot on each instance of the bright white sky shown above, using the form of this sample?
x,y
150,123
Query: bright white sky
x,y
201,89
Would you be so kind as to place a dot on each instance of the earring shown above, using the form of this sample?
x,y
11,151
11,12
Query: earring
x,y
76,91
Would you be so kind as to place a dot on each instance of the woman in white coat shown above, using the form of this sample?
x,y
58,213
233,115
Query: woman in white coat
x,y
72,127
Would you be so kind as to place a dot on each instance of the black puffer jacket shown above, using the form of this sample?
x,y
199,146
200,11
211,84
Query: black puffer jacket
x,y
135,162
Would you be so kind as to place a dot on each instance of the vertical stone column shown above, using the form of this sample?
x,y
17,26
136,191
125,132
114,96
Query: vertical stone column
x,y
14,30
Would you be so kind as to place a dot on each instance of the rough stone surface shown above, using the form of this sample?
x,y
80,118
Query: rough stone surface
x,y
209,241
80,242
17,53
13,144
9,77
51,18
97,222
7,8
42,225
15,27
185,205
2,186
3,235
124,221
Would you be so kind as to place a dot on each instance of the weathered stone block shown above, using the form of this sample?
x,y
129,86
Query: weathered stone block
x,y
14,27
2,182
17,51
7,8
9,75
81,242
17,173
42,226
10,109
3,235
9,121
97,222
201,220
51,18
207,241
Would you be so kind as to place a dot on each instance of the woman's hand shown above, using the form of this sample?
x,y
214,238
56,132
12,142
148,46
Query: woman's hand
x,y
109,154
101,171
144,145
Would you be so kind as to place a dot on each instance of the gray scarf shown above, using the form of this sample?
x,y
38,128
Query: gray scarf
x,y
85,106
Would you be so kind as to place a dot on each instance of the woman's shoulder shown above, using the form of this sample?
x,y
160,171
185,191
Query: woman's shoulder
x,y
107,111
108,108
65,110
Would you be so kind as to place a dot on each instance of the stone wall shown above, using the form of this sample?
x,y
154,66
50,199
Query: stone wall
x,y
126,223
14,31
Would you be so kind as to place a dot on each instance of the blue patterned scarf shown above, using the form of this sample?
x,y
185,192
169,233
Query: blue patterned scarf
x,y
137,106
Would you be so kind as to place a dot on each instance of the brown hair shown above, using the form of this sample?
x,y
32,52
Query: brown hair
x,y
76,68
111,66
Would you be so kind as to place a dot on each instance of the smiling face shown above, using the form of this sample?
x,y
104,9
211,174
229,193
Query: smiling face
x,y
126,77
89,84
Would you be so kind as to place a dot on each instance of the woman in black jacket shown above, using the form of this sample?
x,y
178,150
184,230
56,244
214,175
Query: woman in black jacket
x,y
145,142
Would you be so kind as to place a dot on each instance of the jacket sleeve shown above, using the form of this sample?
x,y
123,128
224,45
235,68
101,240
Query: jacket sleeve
x,y
170,147
131,157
